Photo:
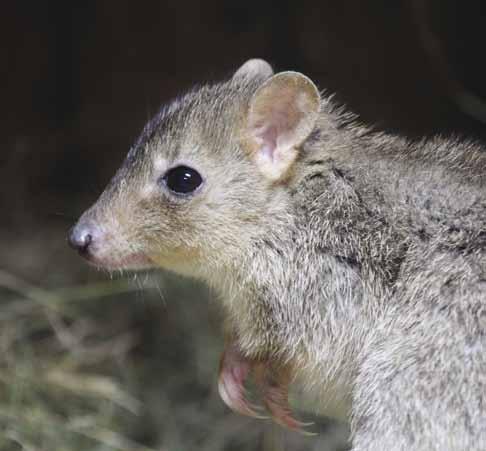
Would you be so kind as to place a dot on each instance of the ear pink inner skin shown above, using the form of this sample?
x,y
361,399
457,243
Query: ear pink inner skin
x,y
267,136
276,127
235,371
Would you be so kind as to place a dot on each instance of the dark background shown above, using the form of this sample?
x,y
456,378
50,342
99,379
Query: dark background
x,y
78,82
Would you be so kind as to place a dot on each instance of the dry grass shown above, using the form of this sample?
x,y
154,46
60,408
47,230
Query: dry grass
x,y
54,392
104,366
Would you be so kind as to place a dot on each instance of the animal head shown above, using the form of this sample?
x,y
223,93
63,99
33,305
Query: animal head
x,y
205,176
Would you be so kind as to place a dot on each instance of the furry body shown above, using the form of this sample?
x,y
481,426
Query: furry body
x,y
361,270
373,288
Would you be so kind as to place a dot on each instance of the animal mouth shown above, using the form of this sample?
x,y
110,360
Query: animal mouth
x,y
99,249
128,262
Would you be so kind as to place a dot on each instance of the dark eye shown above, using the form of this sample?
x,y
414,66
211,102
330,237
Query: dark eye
x,y
182,179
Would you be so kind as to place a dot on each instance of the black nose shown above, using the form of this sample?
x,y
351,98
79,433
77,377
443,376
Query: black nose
x,y
80,238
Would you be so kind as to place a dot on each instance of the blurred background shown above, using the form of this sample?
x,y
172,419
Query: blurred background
x,y
99,363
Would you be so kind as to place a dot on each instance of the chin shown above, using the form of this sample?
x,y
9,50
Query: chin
x,y
134,262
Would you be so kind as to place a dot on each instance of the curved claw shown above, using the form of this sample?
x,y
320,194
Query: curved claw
x,y
234,371
272,382
275,389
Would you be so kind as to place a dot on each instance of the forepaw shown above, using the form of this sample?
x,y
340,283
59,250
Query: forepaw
x,y
272,383
234,371
274,388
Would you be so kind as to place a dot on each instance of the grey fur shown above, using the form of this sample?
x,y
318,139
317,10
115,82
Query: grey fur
x,y
364,271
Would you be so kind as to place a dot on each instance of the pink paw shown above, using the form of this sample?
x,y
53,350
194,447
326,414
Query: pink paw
x,y
236,369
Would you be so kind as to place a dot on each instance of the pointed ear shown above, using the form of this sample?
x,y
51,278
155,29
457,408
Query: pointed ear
x,y
281,115
254,68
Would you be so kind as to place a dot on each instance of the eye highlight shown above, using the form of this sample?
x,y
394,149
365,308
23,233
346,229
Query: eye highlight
x,y
182,180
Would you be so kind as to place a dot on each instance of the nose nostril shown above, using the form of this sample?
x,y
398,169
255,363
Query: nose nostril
x,y
87,240
84,243
80,240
